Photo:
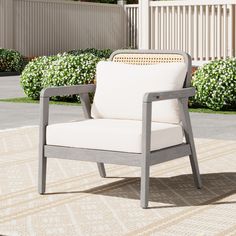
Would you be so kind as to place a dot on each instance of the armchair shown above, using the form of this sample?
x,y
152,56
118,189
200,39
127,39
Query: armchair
x,y
137,122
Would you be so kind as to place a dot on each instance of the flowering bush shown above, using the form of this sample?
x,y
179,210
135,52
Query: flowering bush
x,y
71,70
11,61
60,70
32,76
215,84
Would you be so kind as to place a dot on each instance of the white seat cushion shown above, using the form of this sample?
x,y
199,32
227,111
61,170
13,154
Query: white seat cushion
x,y
121,87
113,135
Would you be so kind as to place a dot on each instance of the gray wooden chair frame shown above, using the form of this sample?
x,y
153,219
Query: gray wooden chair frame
x,y
145,159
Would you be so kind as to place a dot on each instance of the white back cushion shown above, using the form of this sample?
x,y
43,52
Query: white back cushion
x,y
121,87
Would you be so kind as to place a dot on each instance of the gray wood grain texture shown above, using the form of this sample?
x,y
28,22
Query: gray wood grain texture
x,y
67,90
173,94
44,113
93,155
187,127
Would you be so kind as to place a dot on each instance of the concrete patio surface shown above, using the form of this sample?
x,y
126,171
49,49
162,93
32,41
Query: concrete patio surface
x,y
10,87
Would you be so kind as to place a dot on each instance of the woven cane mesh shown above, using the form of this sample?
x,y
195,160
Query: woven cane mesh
x,y
147,59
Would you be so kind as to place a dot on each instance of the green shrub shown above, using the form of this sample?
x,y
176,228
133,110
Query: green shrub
x,y
11,61
71,70
60,70
101,53
215,85
32,76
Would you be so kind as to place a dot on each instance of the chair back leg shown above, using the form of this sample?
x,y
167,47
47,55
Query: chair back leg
x,y
189,139
195,168
144,195
101,169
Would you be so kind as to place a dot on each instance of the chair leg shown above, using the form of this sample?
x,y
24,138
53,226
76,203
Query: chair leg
x,y
194,165
189,139
145,171
101,169
42,174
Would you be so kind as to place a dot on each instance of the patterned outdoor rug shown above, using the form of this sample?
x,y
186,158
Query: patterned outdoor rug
x,y
79,202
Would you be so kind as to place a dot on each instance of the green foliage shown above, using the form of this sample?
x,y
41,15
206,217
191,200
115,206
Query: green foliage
x,y
215,85
101,53
11,61
71,70
32,76
60,70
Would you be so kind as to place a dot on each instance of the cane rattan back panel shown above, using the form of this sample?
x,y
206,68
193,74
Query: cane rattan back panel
x,y
151,57
147,59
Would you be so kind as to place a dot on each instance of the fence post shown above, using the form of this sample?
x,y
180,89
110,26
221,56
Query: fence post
x,y
125,23
122,2
144,31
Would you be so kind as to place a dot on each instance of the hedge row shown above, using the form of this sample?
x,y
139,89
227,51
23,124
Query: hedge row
x,y
215,82
60,70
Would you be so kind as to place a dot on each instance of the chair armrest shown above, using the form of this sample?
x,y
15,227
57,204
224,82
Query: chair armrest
x,y
67,90
158,96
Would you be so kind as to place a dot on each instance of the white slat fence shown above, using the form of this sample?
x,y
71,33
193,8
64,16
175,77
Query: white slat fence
x,y
44,27
205,29
132,25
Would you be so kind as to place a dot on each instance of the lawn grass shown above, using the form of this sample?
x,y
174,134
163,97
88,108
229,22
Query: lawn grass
x,y
28,100
206,110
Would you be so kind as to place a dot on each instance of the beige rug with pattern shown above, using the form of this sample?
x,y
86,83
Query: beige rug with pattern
x,y
79,202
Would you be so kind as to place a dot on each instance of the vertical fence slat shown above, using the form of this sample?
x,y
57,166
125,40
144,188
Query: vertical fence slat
x,y
230,23
207,43
225,20
212,32
129,26
190,30
184,29
167,28
157,28
201,33
195,55
218,38
162,28
178,28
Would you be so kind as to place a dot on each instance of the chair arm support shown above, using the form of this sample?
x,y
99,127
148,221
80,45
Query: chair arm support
x,y
67,90
81,90
165,95
148,98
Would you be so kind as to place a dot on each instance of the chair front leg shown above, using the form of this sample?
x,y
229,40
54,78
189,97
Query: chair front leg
x,y
44,111
146,146
145,172
42,174
101,169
